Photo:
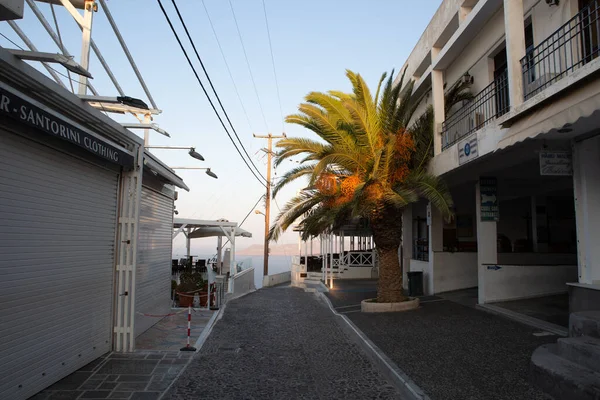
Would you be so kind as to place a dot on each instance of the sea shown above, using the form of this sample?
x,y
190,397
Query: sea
x,y
277,264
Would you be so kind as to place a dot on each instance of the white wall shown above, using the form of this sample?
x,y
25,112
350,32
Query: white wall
x,y
276,279
454,271
356,273
416,265
517,282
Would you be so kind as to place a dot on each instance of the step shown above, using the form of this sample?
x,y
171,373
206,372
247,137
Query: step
x,y
582,350
561,378
585,323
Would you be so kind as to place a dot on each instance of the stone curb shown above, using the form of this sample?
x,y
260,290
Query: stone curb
x,y
199,343
524,319
406,386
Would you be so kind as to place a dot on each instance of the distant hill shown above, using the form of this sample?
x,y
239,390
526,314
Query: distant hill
x,y
288,249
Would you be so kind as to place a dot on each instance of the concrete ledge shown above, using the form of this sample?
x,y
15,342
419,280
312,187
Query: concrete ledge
x,y
369,306
407,388
525,319
277,279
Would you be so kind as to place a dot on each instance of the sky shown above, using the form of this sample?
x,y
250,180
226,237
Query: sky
x,y
313,42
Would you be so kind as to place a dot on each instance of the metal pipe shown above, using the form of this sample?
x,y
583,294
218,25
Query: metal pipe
x,y
126,50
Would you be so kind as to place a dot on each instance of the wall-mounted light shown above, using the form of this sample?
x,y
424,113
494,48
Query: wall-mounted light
x,y
552,2
192,150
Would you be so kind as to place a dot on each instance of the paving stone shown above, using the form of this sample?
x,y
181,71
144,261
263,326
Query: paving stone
x,y
131,386
279,344
71,382
65,395
135,378
145,395
112,378
155,356
120,395
139,366
108,386
93,365
43,395
95,394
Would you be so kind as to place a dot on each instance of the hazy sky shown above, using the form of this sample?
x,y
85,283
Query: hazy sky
x,y
313,43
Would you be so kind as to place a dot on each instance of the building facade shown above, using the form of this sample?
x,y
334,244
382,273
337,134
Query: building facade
x,y
86,221
521,158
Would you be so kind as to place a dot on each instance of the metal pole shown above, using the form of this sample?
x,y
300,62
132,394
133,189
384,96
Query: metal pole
x,y
127,53
331,257
187,244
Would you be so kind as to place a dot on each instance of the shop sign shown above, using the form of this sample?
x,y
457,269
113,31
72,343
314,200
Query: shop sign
x,y
488,193
467,150
556,163
14,107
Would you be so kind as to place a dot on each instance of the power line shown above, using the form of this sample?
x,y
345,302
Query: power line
x,y
212,86
205,92
227,66
273,62
248,64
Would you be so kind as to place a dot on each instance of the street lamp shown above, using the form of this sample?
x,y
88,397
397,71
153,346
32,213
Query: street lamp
x,y
192,150
259,212
146,126
208,171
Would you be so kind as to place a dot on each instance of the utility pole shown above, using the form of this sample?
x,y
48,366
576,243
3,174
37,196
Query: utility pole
x,y
269,138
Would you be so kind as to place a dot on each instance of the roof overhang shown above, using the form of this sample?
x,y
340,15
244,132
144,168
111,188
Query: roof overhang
x,y
158,168
23,77
206,228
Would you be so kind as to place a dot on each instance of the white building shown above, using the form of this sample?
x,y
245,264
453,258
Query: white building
x,y
521,159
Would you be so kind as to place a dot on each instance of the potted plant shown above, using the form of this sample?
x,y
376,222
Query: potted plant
x,y
190,284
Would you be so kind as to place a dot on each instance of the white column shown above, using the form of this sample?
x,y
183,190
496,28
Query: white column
x,y
436,245
323,256
586,179
219,253
331,244
407,240
487,250
515,49
188,244
534,236
86,39
311,246
437,97
233,265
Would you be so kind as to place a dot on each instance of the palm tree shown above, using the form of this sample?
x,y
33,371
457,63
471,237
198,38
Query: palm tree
x,y
369,164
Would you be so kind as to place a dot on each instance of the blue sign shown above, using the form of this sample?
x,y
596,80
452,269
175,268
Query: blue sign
x,y
494,267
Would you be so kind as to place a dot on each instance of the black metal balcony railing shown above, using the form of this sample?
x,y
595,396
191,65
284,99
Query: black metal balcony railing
x,y
488,104
568,48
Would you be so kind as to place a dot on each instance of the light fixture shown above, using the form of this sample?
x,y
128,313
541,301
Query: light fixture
x,y
194,154
65,61
565,129
552,2
208,171
146,126
192,150
258,212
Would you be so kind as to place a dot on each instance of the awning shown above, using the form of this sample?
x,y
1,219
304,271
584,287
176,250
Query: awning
x,y
160,169
199,228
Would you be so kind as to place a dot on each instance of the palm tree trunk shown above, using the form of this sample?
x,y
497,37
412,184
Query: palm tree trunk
x,y
387,232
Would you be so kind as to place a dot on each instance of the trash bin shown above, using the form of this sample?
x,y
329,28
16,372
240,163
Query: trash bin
x,y
415,283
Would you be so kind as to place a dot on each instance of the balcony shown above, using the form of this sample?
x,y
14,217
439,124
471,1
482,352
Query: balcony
x,y
571,46
486,106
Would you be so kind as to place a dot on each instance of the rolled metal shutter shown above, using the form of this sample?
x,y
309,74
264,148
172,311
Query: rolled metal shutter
x,y
57,239
153,273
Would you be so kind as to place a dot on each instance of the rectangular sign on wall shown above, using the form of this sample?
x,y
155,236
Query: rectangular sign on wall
x,y
489,199
467,150
556,163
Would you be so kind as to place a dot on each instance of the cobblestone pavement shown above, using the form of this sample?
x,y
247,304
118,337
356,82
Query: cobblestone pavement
x,y
453,351
280,343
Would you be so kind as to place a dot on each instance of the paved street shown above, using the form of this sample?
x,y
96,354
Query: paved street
x,y
280,343
450,350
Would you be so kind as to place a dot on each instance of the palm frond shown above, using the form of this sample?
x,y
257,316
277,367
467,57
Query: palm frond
x,y
433,189
292,175
291,147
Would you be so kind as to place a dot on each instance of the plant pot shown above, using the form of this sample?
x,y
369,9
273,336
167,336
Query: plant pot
x,y
185,299
370,306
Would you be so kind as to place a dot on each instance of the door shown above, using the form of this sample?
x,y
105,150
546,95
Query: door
x,y
501,80
153,273
57,240
589,12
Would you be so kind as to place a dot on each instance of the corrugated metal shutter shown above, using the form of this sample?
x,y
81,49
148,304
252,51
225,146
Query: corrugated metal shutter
x,y
153,274
57,239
